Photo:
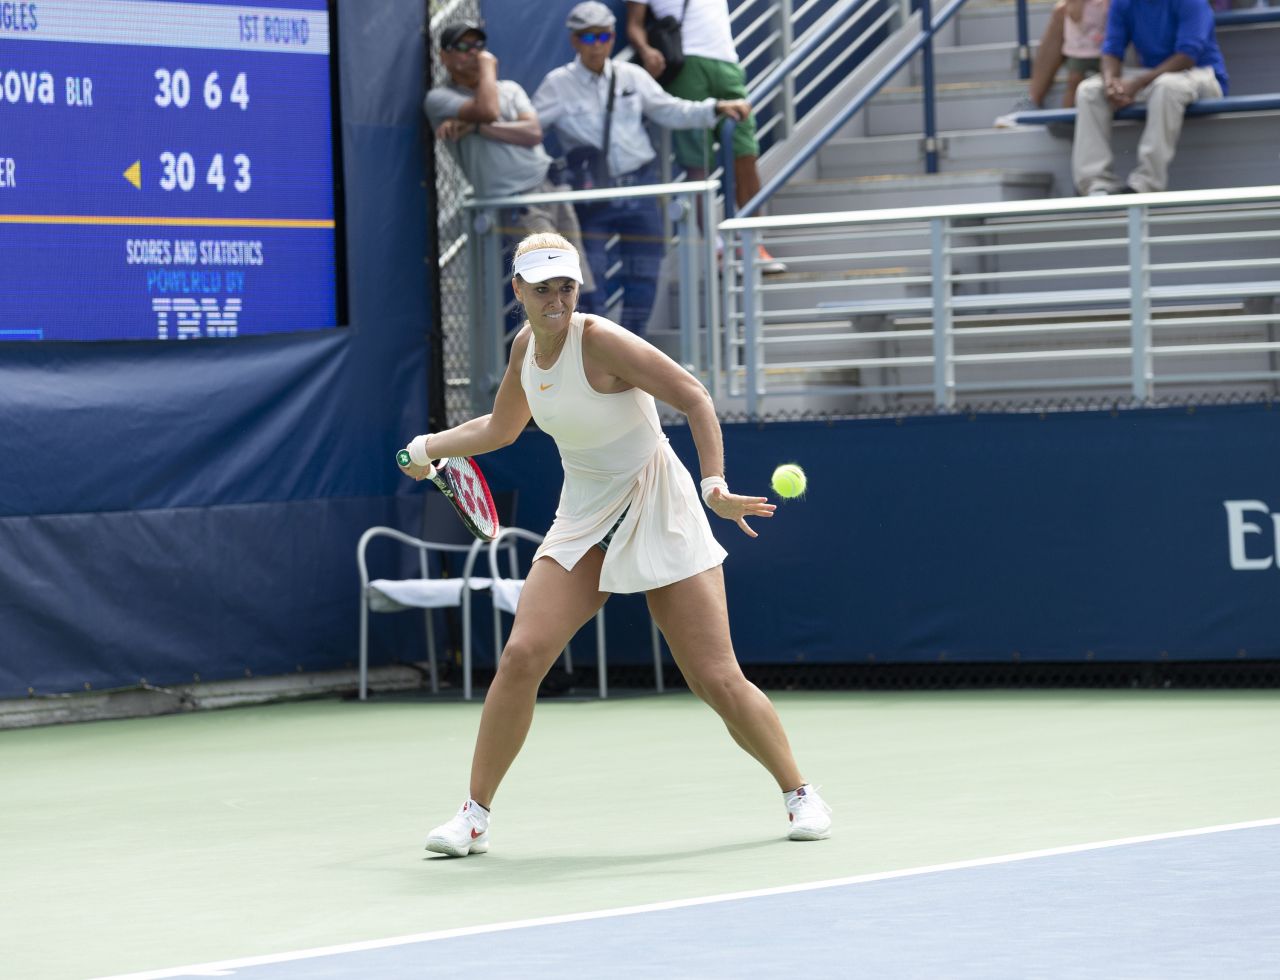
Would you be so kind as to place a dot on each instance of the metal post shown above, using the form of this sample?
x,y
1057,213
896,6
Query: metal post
x,y
944,377
1139,303
475,282
714,283
602,670
681,215
1024,42
749,324
729,304
930,120
727,127
495,328
786,38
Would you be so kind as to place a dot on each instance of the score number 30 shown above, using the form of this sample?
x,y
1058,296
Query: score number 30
x,y
175,89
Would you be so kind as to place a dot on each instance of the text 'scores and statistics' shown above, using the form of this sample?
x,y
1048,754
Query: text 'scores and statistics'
x,y
166,169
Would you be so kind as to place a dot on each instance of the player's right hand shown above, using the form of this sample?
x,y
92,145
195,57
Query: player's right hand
x,y
411,469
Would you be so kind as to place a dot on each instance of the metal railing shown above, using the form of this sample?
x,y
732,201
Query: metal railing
x,y
493,325
1109,295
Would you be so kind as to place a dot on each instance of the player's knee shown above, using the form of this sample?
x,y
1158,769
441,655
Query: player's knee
x,y
720,687
524,663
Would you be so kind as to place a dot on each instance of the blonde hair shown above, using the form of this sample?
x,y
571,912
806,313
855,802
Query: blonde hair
x,y
541,239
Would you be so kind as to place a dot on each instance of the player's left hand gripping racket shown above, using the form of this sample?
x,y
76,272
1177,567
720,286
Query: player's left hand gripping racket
x,y
460,480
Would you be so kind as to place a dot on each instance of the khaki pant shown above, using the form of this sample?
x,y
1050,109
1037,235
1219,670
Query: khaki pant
x,y
1167,99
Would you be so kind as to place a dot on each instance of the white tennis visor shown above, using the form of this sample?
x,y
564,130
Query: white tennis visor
x,y
541,264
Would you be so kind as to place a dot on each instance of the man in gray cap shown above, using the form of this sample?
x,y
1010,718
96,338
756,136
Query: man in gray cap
x,y
492,130
597,107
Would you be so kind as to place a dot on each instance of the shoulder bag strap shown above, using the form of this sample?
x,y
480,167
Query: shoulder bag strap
x,y
602,178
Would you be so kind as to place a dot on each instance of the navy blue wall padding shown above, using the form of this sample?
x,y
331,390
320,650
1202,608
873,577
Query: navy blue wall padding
x,y
1072,537
168,510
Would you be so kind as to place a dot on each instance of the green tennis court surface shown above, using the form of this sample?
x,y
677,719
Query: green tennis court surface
x,y
152,843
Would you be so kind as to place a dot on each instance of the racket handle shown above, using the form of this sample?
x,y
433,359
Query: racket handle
x,y
404,459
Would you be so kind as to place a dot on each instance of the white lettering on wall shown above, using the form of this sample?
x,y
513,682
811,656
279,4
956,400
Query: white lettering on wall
x,y
1238,530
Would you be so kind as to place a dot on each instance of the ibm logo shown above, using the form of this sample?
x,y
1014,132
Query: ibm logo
x,y
194,318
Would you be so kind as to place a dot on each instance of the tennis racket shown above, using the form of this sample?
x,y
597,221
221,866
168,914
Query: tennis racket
x,y
460,480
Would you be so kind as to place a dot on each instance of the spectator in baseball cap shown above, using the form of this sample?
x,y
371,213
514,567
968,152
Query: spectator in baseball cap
x,y
455,32
590,13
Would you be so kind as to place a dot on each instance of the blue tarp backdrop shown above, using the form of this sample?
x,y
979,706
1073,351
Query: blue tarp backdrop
x,y
1067,537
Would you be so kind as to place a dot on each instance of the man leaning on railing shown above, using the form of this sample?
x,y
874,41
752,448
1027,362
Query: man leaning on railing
x,y
597,107
495,135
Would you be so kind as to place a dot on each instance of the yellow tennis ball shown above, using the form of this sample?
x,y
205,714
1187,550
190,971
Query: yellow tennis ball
x,y
789,480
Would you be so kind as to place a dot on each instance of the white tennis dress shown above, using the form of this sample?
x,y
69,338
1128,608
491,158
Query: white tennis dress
x,y
616,460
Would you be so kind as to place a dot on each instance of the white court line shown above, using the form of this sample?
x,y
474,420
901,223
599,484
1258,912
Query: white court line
x,y
226,967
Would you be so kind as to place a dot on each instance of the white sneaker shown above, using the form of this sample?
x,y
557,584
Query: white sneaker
x,y
809,815
467,833
1009,119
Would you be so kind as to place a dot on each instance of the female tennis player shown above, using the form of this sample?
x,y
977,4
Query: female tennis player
x,y
629,520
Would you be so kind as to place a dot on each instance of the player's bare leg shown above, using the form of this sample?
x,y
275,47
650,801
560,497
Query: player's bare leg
x,y
693,616
554,604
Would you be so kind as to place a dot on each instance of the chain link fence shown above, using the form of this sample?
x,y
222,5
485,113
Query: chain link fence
x,y
452,229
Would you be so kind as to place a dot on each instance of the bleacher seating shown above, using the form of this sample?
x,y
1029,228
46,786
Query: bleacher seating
x,y
1204,107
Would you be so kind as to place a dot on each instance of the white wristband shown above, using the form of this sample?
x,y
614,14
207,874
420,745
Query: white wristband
x,y
709,484
418,451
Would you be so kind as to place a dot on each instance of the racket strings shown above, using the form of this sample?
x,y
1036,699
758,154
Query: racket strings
x,y
472,493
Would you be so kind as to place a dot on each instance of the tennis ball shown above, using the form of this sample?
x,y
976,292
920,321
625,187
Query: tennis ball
x,y
789,480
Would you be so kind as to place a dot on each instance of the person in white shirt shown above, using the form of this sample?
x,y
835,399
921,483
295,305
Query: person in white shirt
x,y
711,68
597,107
629,520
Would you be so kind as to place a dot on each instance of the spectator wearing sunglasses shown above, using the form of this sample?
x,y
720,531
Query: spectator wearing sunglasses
x,y
597,107
711,68
490,126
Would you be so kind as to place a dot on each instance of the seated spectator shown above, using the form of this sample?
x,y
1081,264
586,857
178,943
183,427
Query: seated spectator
x,y
492,129
1181,64
597,107
711,68
1073,36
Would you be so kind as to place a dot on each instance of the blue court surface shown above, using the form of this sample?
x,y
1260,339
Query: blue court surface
x,y
1195,904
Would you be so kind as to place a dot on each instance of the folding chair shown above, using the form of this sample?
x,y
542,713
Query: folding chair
x,y
505,592
443,536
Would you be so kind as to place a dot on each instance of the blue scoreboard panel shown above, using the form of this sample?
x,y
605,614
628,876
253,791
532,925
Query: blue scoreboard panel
x,y
167,169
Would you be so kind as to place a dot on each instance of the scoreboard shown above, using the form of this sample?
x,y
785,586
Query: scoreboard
x,y
168,170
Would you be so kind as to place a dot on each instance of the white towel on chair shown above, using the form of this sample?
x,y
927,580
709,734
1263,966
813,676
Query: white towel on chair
x,y
394,595
506,593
